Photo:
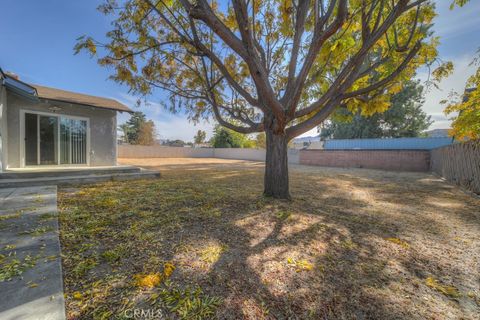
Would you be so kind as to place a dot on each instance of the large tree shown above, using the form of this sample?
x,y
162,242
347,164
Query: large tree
x,y
278,66
404,118
465,107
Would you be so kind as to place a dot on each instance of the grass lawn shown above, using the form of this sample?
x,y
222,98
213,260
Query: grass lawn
x,y
201,242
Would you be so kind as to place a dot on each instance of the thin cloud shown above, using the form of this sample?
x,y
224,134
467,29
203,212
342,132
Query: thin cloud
x,y
169,126
460,21
180,128
455,82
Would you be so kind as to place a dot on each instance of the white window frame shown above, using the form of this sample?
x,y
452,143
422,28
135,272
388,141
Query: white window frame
x,y
58,116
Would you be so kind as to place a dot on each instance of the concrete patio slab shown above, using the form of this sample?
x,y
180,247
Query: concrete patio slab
x,y
30,267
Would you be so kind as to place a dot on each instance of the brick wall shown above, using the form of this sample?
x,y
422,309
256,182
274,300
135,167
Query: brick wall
x,y
395,160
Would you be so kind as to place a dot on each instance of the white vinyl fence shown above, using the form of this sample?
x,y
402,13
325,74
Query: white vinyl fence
x,y
136,151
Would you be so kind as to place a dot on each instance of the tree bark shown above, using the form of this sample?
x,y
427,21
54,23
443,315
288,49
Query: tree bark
x,y
276,166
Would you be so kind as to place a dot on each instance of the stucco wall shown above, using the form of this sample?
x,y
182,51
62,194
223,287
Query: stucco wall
x,y
103,133
3,128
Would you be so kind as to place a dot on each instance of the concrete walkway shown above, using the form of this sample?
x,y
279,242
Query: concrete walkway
x,y
30,267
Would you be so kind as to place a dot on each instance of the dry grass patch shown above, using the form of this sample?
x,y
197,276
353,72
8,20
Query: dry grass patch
x,y
352,244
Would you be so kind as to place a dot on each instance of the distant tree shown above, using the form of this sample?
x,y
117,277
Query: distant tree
x,y
227,138
146,133
138,130
124,128
249,144
261,141
200,137
466,106
404,118
134,124
174,143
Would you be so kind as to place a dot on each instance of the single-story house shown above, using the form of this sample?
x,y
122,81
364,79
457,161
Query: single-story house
x,y
47,127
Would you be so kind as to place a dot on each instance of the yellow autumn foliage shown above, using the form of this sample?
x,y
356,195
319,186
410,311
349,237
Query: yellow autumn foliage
x,y
449,291
154,279
147,280
300,265
168,269
77,295
400,242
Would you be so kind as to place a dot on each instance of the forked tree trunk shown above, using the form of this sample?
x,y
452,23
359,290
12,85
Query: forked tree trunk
x,y
276,166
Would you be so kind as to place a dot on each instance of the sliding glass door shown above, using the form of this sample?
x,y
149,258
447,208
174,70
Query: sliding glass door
x,y
52,140
48,140
31,139
73,141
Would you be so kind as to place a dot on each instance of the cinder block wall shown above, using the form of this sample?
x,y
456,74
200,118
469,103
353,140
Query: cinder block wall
x,y
239,153
395,160
138,151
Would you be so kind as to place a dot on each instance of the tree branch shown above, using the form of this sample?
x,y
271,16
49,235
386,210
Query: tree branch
x,y
245,48
299,29
293,95
312,122
257,127
202,11
355,61
388,78
211,55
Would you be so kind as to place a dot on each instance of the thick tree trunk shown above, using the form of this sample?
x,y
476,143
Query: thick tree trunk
x,y
276,166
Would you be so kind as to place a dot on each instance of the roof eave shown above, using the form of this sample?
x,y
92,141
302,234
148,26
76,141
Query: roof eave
x,y
86,105
9,83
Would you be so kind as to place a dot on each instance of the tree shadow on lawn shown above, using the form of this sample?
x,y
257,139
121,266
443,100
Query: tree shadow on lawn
x,y
344,248
349,278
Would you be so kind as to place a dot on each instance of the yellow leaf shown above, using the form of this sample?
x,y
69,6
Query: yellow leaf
x,y
77,295
147,281
449,291
168,269
400,242
300,265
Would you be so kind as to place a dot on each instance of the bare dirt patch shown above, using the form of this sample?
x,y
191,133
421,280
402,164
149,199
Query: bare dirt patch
x,y
353,244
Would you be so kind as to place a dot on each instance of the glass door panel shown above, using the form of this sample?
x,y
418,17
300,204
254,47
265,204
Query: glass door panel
x,y
48,140
31,139
65,141
73,141
80,142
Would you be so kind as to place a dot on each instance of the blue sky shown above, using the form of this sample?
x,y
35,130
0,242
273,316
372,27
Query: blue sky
x,y
37,39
